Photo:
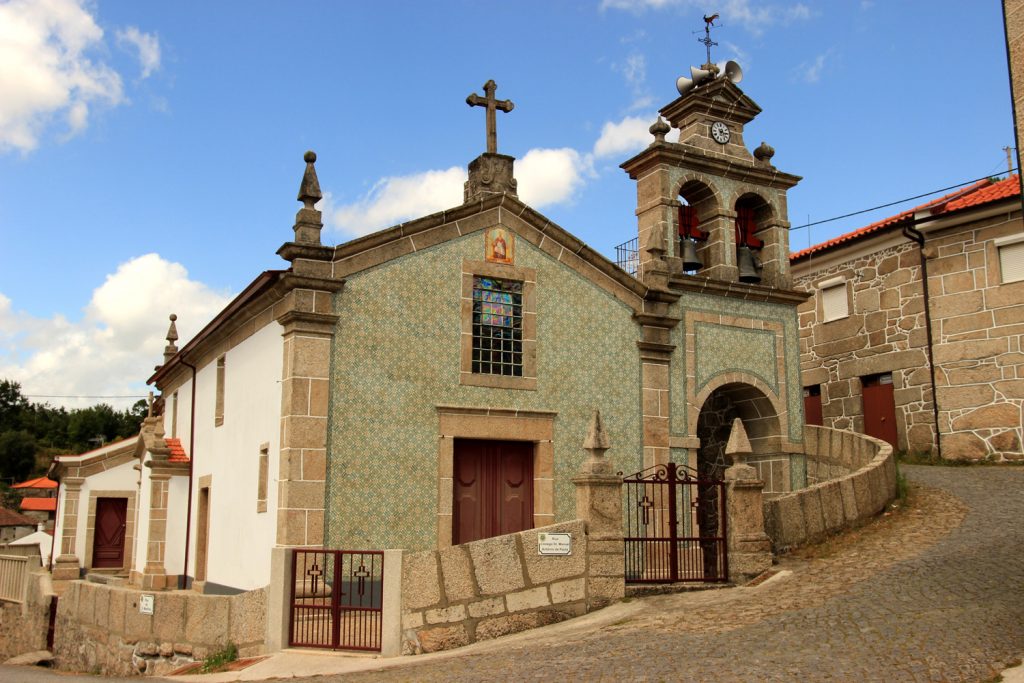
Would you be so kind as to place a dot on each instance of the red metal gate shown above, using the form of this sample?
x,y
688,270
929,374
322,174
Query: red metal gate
x,y
337,597
675,527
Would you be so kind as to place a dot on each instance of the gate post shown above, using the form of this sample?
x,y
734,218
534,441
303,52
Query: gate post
x,y
748,545
279,595
599,503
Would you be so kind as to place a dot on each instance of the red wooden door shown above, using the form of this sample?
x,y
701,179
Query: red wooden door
x,y
493,489
880,408
108,538
812,406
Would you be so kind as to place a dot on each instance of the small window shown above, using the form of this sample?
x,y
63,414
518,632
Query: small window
x,y
174,415
261,484
497,327
218,415
1011,258
835,304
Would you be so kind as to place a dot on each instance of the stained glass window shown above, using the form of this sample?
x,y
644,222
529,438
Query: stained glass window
x,y
497,327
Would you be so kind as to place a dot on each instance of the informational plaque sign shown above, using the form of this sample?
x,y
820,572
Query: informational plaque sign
x,y
554,544
145,603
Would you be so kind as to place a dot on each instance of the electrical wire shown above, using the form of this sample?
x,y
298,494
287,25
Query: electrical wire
x,y
899,201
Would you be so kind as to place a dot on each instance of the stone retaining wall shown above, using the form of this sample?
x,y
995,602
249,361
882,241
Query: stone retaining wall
x,y
496,586
23,626
100,628
811,514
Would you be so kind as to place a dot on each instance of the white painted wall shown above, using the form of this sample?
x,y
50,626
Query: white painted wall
x,y
240,539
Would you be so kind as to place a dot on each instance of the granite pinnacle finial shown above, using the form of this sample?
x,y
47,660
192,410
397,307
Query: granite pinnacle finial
x,y
597,438
738,444
764,152
309,190
172,336
659,130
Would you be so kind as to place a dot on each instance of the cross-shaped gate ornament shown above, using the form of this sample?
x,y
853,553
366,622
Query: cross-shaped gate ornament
x,y
492,105
645,506
361,574
315,572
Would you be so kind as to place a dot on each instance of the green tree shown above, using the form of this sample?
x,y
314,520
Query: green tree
x,y
12,405
17,455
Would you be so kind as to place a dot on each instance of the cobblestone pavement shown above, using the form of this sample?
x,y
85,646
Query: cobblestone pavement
x,y
934,593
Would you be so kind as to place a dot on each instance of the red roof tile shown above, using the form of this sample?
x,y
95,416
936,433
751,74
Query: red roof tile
x,y
12,518
39,504
979,193
177,452
40,483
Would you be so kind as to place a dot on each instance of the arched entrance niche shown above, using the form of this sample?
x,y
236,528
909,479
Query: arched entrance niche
x,y
753,214
698,207
714,423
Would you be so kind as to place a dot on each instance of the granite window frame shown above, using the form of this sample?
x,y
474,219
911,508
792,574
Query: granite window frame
x,y
528,276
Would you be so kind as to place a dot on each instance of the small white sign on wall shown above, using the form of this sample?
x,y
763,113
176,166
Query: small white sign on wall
x,y
554,544
145,603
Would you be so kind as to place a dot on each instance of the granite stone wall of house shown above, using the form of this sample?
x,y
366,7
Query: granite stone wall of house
x,y
884,332
977,323
395,359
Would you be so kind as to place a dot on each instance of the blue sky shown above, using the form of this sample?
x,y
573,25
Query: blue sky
x,y
150,152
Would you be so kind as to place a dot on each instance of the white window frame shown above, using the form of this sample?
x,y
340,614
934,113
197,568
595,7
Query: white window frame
x,y
834,286
1003,246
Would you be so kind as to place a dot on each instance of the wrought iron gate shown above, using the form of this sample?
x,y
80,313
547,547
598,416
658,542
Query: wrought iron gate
x,y
336,599
675,526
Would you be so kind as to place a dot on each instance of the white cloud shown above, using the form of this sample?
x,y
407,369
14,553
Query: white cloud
x,y
49,69
810,72
395,199
113,349
146,44
550,176
628,136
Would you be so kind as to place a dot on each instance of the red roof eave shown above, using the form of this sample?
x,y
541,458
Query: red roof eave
x,y
977,194
39,504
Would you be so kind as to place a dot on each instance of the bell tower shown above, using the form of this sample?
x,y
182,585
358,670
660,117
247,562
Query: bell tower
x,y
706,205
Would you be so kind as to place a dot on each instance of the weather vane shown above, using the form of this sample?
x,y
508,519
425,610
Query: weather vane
x,y
708,23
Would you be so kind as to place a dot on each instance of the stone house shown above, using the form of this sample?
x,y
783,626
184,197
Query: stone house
x,y
14,525
912,332
40,499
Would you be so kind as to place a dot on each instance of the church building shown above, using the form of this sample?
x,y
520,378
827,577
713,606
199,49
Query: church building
x,y
431,384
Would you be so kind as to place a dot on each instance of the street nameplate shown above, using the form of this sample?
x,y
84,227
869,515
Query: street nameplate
x,y
554,544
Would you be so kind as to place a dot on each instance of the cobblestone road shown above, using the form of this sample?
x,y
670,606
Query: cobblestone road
x,y
935,593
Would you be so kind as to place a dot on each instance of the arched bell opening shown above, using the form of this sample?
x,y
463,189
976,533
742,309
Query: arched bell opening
x,y
753,213
697,205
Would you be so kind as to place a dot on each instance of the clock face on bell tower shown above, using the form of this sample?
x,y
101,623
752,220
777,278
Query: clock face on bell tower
x,y
720,132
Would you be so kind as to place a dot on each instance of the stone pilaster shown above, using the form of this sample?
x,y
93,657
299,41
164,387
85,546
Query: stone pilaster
x,y
748,545
775,256
599,503
304,396
154,575
719,251
66,564
655,366
656,221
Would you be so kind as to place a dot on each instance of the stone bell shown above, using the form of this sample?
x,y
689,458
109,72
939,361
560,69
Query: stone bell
x,y
690,259
750,265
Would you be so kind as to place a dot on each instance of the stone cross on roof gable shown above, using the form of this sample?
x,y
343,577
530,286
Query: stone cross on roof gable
x,y
492,105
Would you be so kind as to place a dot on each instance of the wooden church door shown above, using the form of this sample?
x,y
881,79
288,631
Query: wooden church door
x,y
493,489
108,538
